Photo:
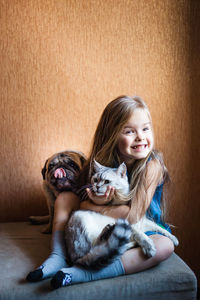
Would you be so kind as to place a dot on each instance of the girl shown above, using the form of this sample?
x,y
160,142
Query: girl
x,y
124,134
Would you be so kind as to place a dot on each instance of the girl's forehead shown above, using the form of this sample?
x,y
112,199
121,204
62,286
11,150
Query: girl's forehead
x,y
138,117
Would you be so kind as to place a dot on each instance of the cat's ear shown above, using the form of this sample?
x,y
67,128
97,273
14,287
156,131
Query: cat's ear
x,y
97,166
122,170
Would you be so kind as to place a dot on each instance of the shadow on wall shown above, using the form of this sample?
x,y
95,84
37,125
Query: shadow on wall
x,y
193,219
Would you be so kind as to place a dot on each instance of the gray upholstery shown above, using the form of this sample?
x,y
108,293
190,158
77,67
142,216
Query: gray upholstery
x,y
23,247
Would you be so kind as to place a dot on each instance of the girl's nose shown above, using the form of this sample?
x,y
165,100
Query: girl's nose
x,y
140,136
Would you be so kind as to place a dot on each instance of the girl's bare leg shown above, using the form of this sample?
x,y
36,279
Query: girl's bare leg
x,y
65,203
131,262
134,260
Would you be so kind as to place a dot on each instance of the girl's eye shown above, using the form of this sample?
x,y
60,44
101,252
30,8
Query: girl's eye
x,y
107,181
129,131
146,128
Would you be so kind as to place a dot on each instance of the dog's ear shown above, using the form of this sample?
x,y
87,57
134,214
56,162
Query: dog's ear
x,y
83,160
44,169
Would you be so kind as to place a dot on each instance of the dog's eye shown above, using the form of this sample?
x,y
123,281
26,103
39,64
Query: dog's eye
x,y
73,165
50,166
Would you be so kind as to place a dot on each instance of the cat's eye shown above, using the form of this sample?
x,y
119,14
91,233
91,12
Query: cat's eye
x,y
95,179
107,181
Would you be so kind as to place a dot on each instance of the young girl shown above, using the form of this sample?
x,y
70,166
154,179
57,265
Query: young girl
x,y
124,134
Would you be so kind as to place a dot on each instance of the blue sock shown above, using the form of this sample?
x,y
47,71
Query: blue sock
x,y
77,274
55,261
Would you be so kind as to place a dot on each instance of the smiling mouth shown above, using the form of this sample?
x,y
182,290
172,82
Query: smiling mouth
x,y
140,146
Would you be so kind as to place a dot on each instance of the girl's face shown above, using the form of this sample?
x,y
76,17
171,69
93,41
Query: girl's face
x,y
136,138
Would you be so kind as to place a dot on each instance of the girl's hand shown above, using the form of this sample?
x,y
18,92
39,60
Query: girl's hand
x,y
104,199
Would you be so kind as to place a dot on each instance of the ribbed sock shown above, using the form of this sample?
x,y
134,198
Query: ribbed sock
x,y
77,274
55,261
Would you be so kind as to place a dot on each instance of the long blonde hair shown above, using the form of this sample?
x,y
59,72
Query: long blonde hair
x,y
105,150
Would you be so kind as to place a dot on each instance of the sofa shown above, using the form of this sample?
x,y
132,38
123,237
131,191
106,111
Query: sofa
x,y
23,247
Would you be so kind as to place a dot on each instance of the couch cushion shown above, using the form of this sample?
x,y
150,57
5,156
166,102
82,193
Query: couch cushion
x,y
23,247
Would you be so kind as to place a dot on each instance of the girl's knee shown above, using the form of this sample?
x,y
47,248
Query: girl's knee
x,y
164,247
65,203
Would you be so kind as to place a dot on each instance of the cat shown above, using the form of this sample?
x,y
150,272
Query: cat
x,y
116,177
94,240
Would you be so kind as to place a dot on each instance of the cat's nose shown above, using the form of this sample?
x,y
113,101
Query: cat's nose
x,y
98,188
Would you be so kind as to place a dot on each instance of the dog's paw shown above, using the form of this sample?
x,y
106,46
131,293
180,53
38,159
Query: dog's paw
x,y
37,220
47,229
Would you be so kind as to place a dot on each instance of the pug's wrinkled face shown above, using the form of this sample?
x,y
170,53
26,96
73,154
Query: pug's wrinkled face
x,y
61,171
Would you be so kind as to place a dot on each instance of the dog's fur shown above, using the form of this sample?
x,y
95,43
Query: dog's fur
x,y
71,162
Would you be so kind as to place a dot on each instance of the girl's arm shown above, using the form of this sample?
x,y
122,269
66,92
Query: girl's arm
x,y
117,211
98,204
153,177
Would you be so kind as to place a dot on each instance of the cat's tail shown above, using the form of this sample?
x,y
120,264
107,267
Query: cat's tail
x,y
112,243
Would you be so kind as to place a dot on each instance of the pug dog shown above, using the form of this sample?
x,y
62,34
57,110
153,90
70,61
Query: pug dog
x,y
60,173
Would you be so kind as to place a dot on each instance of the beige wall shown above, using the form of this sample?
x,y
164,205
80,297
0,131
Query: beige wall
x,y
62,61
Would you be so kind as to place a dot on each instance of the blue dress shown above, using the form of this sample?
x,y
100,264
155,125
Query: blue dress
x,y
154,211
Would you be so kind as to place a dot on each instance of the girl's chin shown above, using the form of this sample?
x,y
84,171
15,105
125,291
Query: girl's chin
x,y
140,154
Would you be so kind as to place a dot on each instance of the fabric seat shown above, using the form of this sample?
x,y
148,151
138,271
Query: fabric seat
x,y
23,247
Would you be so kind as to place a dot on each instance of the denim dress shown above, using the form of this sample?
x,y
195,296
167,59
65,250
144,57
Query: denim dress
x,y
154,211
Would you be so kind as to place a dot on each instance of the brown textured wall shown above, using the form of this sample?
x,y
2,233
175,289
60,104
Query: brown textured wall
x,y
63,61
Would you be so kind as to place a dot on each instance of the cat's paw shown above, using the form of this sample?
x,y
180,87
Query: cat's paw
x,y
106,232
148,247
174,240
123,231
